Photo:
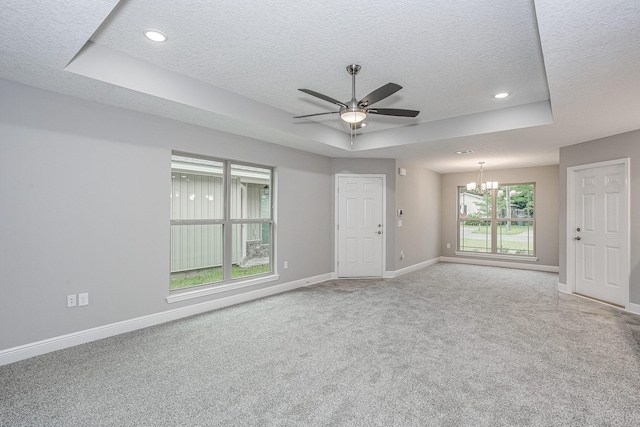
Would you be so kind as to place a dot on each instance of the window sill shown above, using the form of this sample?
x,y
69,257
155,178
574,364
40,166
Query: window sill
x,y
498,256
187,295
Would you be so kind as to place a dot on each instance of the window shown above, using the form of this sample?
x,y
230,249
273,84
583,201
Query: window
x,y
221,221
499,222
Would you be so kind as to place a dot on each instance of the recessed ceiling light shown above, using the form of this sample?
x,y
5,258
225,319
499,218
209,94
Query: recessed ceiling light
x,y
464,152
155,35
501,95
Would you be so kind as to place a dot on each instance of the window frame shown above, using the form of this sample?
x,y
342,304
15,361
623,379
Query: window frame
x,y
494,220
227,222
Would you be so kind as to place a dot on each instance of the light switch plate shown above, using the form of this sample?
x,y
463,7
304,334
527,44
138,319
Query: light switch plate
x,y
83,299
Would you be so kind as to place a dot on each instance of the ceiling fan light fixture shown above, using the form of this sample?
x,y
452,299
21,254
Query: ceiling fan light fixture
x,y
353,115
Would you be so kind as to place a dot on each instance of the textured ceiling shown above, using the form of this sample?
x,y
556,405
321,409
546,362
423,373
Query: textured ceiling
x,y
236,66
266,50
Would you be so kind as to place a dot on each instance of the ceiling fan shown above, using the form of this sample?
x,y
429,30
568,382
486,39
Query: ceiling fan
x,y
354,112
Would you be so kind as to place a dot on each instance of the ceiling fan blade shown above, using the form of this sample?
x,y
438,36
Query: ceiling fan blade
x,y
381,93
393,112
324,97
317,114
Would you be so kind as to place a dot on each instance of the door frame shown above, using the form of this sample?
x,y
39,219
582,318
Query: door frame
x,y
337,216
571,221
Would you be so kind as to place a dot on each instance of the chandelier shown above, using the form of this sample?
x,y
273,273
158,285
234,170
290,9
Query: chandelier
x,y
481,185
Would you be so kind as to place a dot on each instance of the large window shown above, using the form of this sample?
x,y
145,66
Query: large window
x,y
221,221
500,222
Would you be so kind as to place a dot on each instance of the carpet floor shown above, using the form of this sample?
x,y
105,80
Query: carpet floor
x,y
449,345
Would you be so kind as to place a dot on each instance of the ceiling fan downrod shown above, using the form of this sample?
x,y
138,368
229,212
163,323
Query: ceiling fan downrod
x,y
353,113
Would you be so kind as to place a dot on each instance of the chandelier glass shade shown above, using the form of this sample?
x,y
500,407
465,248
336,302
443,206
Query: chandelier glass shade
x,y
481,185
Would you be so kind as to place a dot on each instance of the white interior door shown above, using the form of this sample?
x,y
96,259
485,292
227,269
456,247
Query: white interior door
x,y
601,233
360,226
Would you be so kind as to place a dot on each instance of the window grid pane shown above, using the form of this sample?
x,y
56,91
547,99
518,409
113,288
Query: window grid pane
x,y
515,237
475,236
250,192
196,255
251,249
197,189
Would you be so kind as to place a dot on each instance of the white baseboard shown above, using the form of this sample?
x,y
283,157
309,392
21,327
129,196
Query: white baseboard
x,y
411,268
634,308
492,263
58,343
563,288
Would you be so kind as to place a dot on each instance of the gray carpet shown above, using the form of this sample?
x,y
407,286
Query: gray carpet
x,y
450,345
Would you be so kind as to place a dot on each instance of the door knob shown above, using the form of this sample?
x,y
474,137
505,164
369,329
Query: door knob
x,y
577,238
378,232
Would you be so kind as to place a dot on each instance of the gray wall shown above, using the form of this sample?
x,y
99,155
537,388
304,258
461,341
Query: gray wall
x,y
600,150
86,209
546,206
418,195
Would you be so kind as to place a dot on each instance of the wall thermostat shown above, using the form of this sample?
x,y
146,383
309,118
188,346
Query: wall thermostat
x,y
399,212
402,171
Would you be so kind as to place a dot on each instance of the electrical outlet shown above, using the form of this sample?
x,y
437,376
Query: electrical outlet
x,y
401,254
448,245
71,300
83,299
286,264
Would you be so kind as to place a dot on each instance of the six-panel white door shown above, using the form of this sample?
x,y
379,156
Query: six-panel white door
x,y
601,234
360,226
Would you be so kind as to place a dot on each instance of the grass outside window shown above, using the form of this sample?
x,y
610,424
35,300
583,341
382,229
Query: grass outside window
x,y
214,274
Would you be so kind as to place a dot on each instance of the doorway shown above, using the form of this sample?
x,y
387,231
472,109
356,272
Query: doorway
x,y
360,226
598,231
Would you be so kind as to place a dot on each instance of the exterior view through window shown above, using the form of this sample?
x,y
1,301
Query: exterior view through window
x,y
499,221
221,221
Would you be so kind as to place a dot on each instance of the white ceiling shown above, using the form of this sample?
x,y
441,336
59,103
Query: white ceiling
x,y
571,69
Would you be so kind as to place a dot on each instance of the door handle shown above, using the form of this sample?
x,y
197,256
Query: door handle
x,y
577,238
378,232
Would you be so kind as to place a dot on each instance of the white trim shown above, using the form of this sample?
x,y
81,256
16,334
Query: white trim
x,y
26,351
336,252
197,293
411,268
562,287
571,225
497,256
518,265
633,308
